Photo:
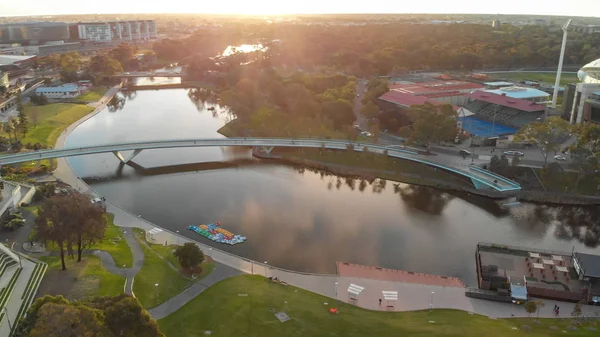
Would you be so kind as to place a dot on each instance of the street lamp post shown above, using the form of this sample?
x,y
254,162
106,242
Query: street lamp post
x,y
336,290
266,266
514,302
156,286
431,302
7,317
177,237
210,252
124,271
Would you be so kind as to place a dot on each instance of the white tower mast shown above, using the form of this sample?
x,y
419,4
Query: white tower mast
x,y
560,63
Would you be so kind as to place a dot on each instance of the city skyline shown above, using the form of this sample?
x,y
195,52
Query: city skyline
x,y
272,7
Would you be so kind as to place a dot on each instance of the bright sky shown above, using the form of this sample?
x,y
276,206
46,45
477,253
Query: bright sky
x,y
270,7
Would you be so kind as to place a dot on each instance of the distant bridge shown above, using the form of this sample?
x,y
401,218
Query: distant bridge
x,y
482,179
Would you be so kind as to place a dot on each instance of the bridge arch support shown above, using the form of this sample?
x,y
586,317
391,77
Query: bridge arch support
x,y
124,159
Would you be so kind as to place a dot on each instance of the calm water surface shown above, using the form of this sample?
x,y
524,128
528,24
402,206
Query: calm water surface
x,y
298,219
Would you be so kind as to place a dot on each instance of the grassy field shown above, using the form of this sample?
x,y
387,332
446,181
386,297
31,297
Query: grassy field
x,y
223,311
566,182
114,244
93,95
549,78
155,270
80,280
403,170
47,122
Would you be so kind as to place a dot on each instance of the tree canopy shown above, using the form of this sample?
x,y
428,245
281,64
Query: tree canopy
x,y
189,255
548,135
116,316
384,48
430,124
71,220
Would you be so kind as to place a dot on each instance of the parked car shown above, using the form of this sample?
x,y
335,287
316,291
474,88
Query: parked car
x,y
513,153
464,152
366,134
559,157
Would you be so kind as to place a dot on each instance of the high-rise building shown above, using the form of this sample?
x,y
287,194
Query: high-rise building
x,y
33,32
116,30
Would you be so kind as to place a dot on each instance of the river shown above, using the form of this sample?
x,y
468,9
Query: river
x,y
299,219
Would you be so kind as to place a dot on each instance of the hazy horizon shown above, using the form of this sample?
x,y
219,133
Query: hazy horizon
x,y
271,7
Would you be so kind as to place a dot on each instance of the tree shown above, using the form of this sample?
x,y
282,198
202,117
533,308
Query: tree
x,y
189,255
530,307
113,316
430,124
577,310
8,128
547,136
68,220
124,316
104,65
65,320
14,120
588,136
90,224
369,110
584,162
339,111
539,305
123,52
22,119
500,165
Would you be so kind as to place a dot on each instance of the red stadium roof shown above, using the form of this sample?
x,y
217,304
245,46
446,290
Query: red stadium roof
x,y
519,104
407,100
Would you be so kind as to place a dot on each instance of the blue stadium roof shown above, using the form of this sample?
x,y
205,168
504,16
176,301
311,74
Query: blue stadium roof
x,y
483,128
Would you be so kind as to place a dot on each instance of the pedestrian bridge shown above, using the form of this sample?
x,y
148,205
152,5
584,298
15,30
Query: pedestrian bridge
x,y
482,179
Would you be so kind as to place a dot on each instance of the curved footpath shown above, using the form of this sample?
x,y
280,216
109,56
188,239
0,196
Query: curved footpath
x,y
411,296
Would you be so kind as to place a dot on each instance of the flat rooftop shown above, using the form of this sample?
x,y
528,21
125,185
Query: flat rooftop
x,y
540,269
519,92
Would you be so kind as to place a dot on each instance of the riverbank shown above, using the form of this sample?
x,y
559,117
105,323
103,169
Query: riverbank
x,y
370,166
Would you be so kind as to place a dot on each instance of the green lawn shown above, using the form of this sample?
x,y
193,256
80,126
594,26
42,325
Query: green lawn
x,y
93,95
155,270
566,182
47,122
167,252
114,244
88,278
223,311
405,170
549,78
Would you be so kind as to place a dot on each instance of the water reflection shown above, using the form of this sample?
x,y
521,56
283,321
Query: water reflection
x,y
243,48
423,199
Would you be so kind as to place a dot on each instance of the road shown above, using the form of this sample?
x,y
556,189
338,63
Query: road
x,y
360,91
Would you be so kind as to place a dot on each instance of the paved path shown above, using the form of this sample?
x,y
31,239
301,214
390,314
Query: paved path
x,y
220,273
129,273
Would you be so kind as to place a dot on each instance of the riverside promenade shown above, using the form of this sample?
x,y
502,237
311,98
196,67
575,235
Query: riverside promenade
x,y
414,293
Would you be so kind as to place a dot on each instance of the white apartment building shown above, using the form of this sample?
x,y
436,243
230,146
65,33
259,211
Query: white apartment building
x,y
117,30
